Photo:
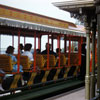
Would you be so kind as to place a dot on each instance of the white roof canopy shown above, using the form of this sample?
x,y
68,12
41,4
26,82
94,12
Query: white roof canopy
x,y
75,5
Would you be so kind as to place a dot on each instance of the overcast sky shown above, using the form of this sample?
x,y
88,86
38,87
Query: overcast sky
x,y
44,7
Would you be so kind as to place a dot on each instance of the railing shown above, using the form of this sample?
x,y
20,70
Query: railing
x,y
96,97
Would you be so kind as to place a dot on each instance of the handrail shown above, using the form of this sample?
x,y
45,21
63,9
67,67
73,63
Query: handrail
x,y
96,98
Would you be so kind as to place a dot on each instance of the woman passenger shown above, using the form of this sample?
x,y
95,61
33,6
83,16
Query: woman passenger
x,y
9,52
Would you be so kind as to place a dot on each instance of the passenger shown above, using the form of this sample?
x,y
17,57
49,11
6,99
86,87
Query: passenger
x,y
32,51
27,51
21,48
57,51
38,51
9,52
50,51
83,62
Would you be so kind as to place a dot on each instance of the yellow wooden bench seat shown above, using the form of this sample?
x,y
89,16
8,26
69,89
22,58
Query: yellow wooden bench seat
x,y
40,61
6,63
63,60
25,62
74,58
52,60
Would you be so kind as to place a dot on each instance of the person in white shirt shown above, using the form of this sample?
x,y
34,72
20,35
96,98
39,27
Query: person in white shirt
x,y
27,51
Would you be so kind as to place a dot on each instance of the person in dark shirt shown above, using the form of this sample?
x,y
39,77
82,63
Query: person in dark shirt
x,y
50,51
21,48
57,51
83,61
38,51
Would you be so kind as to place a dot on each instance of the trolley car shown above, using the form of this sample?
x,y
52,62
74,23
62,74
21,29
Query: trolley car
x,y
15,22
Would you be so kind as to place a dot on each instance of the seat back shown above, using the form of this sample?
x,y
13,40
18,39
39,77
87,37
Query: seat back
x,y
63,60
52,60
40,61
74,59
24,61
6,63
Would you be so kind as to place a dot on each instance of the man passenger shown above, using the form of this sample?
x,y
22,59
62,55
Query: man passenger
x,y
50,51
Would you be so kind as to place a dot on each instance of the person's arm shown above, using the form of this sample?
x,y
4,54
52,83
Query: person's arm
x,y
14,60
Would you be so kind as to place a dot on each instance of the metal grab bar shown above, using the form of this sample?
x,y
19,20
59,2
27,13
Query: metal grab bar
x,y
96,98
98,95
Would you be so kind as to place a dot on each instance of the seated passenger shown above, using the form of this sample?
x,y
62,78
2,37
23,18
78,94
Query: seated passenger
x,y
57,51
21,48
27,51
50,51
9,52
32,51
38,51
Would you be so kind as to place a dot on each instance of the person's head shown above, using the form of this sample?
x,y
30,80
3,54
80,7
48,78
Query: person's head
x,y
37,51
46,46
10,50
21,46
57,50
28,47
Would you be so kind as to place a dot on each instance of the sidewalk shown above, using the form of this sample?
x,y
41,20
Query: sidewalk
x,y
77,94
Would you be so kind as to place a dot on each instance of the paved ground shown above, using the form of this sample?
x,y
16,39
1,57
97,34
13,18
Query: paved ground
x,y
78,94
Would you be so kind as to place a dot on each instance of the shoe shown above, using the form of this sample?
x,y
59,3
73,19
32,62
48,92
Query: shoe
x,y
24,83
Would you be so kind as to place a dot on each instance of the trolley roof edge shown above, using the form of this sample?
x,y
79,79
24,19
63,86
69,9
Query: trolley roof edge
x,y
38,27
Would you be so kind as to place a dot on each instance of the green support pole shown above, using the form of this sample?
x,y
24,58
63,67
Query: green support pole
x,y
93,60
87,77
